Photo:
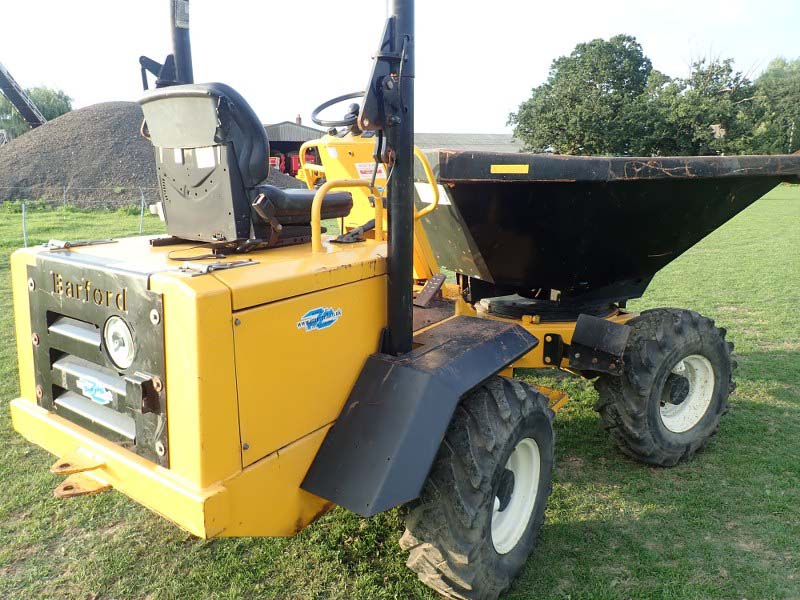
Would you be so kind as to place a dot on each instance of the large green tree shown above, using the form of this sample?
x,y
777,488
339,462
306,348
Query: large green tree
x,y
777,108
605,98
51,103
709,112
584,106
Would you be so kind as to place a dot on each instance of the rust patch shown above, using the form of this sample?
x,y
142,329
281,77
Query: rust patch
x,y
299,526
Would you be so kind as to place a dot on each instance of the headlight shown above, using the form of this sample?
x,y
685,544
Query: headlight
x,y
119,342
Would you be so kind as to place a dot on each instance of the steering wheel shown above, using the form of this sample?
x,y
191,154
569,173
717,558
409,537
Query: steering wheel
x,y
351,118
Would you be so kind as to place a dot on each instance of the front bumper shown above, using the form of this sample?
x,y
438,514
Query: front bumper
x,y
200,512
262,500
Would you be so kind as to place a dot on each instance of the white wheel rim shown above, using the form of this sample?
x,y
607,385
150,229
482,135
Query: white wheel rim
x,y
510,524
699,373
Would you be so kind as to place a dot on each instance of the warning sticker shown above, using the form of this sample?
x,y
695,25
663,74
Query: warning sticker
x,y
425,193
366,169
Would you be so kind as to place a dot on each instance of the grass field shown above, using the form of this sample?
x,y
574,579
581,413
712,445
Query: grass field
x,y
727,525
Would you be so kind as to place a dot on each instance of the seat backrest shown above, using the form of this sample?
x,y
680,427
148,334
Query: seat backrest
x,y
211,151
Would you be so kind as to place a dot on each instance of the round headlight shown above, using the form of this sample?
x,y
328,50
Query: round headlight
x,y
119,342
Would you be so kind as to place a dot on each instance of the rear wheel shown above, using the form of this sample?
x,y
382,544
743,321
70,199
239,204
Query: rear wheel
x,y
674,389
480,511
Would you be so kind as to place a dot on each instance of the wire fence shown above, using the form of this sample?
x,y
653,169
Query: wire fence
x,y
43,199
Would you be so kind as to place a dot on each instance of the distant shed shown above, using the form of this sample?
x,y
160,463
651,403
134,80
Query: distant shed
x,y
486,142
288,136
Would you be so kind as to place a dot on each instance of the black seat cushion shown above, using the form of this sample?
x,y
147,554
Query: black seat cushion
x,y
293,206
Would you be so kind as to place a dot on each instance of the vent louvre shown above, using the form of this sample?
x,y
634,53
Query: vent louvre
x,y
73,329
103,419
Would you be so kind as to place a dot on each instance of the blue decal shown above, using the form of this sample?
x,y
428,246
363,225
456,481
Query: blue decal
x,y
319,318
94,390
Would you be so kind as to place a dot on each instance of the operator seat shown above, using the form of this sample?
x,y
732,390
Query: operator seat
x,y
212,161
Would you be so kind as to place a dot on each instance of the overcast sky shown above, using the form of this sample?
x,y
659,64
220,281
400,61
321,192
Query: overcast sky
x,y
476,60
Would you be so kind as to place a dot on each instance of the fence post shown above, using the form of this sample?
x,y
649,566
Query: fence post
x,y
64,216
24,224
141,213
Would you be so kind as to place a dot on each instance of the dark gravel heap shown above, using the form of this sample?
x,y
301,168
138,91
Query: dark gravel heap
x,y
96,152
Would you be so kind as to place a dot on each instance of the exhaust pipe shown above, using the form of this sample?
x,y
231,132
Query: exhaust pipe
x,y
400,137
181,46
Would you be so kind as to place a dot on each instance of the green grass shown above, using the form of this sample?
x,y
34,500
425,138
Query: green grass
x,y
726,525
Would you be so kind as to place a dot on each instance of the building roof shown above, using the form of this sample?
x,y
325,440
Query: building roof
x,y
287,131
487,142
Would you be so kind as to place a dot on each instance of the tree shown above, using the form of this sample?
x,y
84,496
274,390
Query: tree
x,y
710,112
713,111
605,98
647,117
585,106
777,107
51,103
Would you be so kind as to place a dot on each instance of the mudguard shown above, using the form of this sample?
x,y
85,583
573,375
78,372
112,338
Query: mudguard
x,y
379,452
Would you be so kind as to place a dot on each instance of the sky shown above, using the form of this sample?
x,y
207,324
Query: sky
x,y
476,60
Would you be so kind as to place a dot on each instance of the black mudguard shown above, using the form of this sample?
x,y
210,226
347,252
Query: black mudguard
x,y
598,345
379,452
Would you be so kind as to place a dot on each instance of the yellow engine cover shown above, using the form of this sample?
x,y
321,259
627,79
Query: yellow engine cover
x,y
293,378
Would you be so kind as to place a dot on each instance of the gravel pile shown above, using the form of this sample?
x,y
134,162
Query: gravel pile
x,y
95,152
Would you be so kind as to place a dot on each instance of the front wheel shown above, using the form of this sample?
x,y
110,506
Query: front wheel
x,y
674,388
480,511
